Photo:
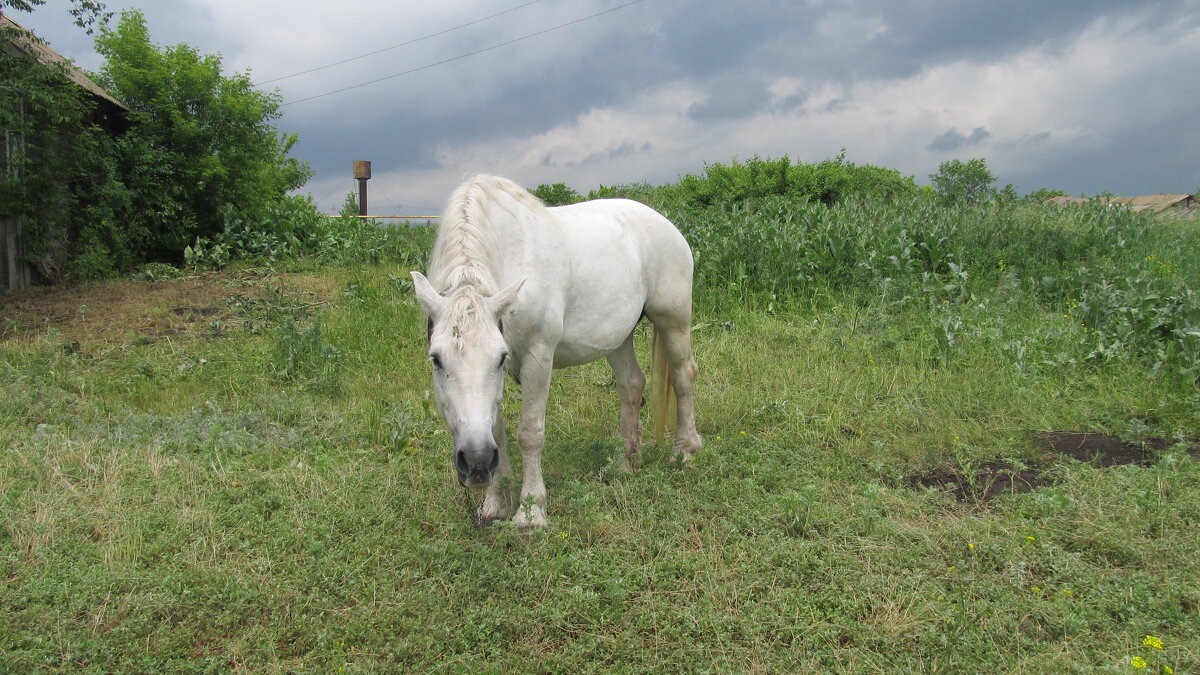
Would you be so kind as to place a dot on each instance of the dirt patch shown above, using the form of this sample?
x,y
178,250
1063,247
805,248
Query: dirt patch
x,y
117,311
981,482
199,311
1099,449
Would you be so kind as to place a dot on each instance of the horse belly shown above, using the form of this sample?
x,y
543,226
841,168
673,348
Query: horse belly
x,y
618,253
596,332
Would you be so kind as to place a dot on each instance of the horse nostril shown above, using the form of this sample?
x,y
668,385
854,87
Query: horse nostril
x,y
460,463
495,461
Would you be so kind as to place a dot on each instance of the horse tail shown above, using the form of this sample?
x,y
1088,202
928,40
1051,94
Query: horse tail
x,y
660,386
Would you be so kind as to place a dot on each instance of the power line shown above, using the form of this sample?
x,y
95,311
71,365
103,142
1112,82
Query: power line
x,y
397,46
380,191
335,189
462,56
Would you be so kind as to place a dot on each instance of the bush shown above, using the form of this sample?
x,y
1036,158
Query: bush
x,y
827,182
557,194
292,229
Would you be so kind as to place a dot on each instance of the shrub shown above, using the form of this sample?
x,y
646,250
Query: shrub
x,y
827,182
557,194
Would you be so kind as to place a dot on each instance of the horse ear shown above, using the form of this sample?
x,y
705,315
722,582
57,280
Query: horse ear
x,y
501,301
431,301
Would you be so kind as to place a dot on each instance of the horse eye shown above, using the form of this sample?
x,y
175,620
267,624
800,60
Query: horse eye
x,y
503,359
437,361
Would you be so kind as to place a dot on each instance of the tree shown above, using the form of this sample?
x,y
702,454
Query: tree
x,y
202,147
558,194
86,12
961,182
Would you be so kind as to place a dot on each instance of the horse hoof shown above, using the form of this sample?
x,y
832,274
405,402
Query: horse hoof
x,y
529,519
684,459
631,463
493,509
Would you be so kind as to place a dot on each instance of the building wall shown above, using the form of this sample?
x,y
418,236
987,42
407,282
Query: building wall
x,y
14,273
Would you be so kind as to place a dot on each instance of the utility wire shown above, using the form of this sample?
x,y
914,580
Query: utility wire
x,y
380,191
462,56
402,44
335,189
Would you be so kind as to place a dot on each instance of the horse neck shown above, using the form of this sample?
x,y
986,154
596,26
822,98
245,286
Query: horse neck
x,y
461,253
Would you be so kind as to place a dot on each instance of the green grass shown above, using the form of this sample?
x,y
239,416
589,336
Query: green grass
x,y
275,494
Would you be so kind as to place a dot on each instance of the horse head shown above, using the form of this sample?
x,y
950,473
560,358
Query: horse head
x,y
468,354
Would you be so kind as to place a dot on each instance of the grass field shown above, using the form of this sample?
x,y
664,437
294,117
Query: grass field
x,y
243,472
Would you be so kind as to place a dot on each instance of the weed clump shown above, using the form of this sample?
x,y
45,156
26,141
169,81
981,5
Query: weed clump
x,y
301,354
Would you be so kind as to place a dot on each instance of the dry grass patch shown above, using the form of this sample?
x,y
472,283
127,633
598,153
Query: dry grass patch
x,y
104,313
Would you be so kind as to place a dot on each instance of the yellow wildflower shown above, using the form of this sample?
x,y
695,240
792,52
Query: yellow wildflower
x,y
1151,641
1137,662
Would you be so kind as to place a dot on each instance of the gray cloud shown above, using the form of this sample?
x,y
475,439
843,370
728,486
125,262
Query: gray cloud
x,y
829,75
952,140
731,97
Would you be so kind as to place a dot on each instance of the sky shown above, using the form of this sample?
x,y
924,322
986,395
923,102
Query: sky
x,y
1083,96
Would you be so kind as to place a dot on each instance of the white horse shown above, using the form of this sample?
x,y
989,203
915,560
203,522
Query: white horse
x,y
516,286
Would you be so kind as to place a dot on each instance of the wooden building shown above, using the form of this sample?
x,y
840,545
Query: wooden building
x,y
1166,204
108,113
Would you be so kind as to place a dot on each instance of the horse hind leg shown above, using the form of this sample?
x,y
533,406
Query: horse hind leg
x,y
675,334
630,385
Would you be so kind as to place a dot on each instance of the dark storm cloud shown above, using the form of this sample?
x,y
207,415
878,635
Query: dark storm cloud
x,y
731,57
920,33
623,150
952,140
731,96
1155,158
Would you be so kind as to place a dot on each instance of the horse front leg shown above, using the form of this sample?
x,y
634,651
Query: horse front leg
x,y
498,502
531,435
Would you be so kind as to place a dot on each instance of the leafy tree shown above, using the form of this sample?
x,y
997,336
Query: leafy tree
x,y
86,12
58,175
964,182
202,147
557,194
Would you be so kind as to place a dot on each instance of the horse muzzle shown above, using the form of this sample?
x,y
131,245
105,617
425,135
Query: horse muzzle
x,y
476,464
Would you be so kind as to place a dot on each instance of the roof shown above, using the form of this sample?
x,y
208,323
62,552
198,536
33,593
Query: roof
x,y
1152,203
30,44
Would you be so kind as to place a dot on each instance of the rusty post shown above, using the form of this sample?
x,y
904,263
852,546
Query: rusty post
x,y
362,172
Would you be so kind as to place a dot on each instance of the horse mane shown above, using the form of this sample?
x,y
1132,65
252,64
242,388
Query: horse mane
x,y
467,237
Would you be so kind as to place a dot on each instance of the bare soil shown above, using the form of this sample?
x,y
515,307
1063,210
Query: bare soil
x,y
116,311
987,480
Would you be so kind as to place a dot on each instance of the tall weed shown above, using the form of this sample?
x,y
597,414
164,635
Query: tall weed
x,y
301,354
